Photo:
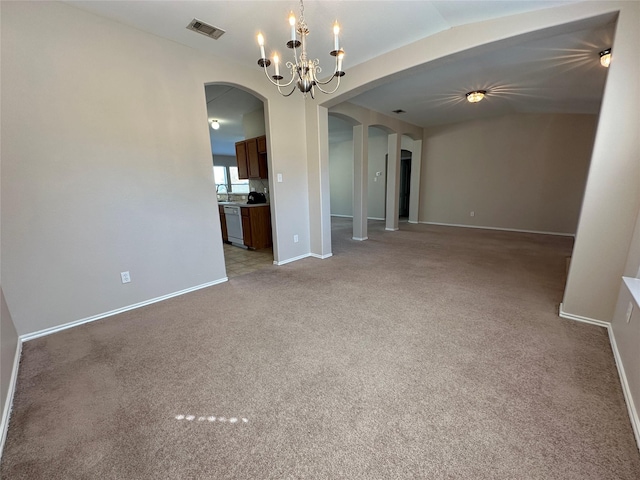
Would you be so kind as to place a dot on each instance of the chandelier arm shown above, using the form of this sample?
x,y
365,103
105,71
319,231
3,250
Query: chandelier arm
x,y
332,91
317,69
278,84
318,82
286,94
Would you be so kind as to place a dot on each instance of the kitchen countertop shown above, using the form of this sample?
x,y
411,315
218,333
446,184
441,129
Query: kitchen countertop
x,y
239,204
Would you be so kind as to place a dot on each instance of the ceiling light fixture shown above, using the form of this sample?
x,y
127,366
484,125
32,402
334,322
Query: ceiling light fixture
x,y
476,96
215,124
605,57
303,71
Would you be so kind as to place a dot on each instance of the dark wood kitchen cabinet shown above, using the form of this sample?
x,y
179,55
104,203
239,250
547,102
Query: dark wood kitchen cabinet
x,y
241,158
262,144
223,224
256,226
251,155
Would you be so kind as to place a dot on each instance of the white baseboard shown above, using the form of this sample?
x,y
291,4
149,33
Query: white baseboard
x,y
392,229
6,413
289,260
351,216
540,232
48,331
360,239
628,398
579,318
300,257
626,390
321,257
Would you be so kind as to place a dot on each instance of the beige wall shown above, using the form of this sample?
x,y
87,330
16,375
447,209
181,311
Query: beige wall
x,y
376,186
106,165
8,348
341,177
626,338
603,247
520,171
253,123
632,267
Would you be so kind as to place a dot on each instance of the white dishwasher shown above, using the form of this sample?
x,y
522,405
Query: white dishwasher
x,y
234,224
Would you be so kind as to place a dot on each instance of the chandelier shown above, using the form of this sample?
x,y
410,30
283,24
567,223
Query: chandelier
x,y
303,70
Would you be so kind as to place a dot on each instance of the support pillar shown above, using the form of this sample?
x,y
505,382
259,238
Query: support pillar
x,y
360,172
393,182
414,198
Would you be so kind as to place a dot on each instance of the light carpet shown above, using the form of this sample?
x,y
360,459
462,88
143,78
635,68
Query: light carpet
x,y
432,352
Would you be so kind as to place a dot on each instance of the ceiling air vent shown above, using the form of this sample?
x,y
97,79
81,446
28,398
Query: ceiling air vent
x,y
205,29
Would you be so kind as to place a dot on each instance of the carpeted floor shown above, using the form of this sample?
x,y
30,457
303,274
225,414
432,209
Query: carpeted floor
x,y
432,352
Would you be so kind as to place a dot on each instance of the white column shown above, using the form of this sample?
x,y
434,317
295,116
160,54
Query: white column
x,y
317,121
393,181
360,172
414,199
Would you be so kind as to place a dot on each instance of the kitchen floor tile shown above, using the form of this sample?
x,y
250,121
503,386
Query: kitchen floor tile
x,y
240,261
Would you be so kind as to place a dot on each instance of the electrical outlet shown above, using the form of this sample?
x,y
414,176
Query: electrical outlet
x,y
629,311
126,278
472,214
295,239
279,177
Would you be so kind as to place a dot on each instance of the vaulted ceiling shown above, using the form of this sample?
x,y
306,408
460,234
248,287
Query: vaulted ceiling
x,y
558,72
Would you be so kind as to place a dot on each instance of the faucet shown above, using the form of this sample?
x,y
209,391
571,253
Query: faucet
x,y
226,188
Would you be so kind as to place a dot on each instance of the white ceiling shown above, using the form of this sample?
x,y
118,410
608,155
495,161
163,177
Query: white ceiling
x,y
228,104
557,73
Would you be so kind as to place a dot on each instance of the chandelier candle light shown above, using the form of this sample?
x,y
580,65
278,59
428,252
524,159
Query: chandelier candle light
x,y
303,71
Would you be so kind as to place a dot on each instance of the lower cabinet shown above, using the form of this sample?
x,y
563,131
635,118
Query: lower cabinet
x,y
256,226
223,224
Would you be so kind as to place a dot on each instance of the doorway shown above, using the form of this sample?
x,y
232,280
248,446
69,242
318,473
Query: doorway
x,y
404,192
237,117
405,184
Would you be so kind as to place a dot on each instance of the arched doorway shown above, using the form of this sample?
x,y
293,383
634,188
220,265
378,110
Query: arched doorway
x,y
237,131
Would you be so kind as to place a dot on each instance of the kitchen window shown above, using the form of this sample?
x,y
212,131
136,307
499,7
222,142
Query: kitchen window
x,y
226,180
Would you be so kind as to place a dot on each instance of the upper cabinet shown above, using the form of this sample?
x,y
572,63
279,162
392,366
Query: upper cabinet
x,y
241,157
262,144
251,155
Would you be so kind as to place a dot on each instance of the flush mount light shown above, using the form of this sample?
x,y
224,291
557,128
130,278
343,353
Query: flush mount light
x,y
476,96
215,125
605,57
